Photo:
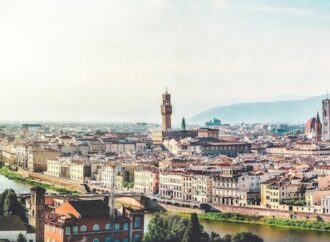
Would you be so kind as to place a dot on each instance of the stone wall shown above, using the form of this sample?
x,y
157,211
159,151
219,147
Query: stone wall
x,y
42,178
272,213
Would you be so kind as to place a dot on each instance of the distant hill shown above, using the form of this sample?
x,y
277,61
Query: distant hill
x,y
293,111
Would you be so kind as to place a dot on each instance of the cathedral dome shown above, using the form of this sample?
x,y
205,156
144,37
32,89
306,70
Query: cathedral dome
x,y
310,125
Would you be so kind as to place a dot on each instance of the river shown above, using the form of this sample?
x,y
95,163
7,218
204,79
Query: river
x,y
270,234
5,183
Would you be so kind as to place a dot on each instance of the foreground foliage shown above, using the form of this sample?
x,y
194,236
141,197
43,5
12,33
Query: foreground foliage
x,y
174,228
21,238
9,205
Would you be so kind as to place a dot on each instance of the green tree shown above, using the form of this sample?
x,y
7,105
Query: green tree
x,y
21,238
246,237
128,176
183,124
214,237
195,232
302,190
9,205
166,228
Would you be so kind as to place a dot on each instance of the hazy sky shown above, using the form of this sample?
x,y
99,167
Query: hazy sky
x,y
110,60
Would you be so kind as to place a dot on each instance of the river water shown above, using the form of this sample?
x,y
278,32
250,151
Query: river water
x,y
270,234
5,183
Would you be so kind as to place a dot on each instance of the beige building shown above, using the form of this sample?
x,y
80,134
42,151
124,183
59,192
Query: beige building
x,y
109,176
193,185
314,197
207,133
9,155
201,188
225,190
175,185
73,170
274,193
304,149
38,158
146,180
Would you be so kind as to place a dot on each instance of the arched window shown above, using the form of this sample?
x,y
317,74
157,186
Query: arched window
x,y
137,222
107,239
95,240
96,227
108,227
83,228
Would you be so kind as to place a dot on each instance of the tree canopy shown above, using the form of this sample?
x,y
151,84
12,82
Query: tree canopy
x,y
173,228
21,238
128,177
246,237
9,205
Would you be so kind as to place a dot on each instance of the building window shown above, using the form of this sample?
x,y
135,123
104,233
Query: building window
x,y
96,227
136,238
137,222
117,227
95,240
125,226
107,239
75,229
83,228
67,230
108,227
125,240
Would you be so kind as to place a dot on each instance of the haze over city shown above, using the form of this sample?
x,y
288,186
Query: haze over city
x,y
94,61
164,121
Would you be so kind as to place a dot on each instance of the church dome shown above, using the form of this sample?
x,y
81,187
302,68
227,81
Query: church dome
x,y
310,125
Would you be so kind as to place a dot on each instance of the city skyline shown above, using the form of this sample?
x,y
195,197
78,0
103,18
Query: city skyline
x,y
111,60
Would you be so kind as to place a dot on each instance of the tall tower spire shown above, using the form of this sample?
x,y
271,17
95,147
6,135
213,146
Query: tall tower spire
x,y
326,120
166,110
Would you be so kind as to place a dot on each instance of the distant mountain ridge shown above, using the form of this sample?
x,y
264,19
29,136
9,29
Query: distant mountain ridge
x,y
291,111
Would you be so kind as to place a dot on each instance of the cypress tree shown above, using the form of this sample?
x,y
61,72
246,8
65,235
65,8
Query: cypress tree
x,y
183,124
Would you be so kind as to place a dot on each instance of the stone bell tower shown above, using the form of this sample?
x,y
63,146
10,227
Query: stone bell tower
x,y
326,120
166,110
36,216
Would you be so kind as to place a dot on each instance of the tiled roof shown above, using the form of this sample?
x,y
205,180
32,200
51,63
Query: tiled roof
x,y
11,223
90,208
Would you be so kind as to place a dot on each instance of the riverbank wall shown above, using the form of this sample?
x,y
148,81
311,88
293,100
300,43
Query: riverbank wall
x,y
55,181
254,211
153,205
